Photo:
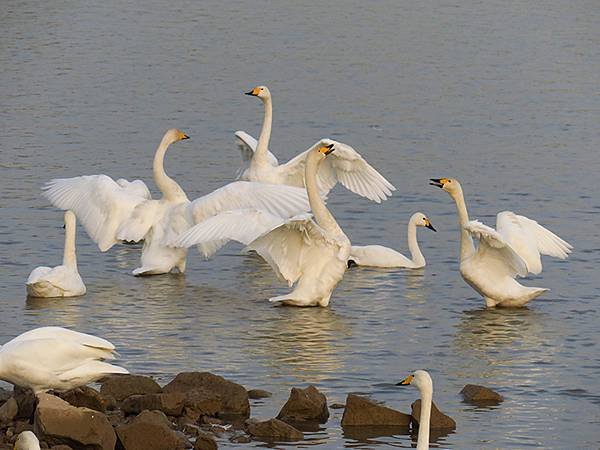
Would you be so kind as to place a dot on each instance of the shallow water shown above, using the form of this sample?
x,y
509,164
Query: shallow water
x,y
502,95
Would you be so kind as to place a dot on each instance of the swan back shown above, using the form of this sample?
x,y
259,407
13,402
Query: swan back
x,y
27,441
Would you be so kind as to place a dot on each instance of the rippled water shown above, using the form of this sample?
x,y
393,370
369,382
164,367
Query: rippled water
x,y
502,95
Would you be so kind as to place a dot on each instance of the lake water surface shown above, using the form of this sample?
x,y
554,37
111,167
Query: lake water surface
x,y
501,95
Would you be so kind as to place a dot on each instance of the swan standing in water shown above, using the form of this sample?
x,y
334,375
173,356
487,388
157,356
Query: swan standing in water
x,y
27,441
380,256
63,280
346,166
112,212
514,248
56,358
312,253
422,381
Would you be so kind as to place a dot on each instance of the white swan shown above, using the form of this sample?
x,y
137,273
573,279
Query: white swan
x,y
346,166
63,280
56,358
27,441
380,256
514,248
422,381
111,212
311,253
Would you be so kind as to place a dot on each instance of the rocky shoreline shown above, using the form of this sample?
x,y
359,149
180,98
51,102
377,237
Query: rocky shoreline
x,y
194,410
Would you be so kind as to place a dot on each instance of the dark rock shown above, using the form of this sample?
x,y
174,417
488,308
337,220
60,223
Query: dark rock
x,y
8,411
26,400
122,386
473,393
438,418
57,422
337,406
22,425
361,411
85,397
169,403
240,438
60,447
205,441
150,430
215,392
305,405
274,430
256,394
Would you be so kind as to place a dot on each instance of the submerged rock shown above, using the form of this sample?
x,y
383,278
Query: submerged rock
x,y
473,393
150,430
57,422
361,411
256,394
337,406
274,430
438,418
305,405
122,386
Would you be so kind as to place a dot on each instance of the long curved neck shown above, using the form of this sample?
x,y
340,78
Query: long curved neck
x,y
413,246
69,257
169,187
262,147
423,437
322,215
466,242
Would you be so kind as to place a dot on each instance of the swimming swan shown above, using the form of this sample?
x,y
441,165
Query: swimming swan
x,y
63,280
346,165
56,358
111,213
514,248
422,381
312,253
380,256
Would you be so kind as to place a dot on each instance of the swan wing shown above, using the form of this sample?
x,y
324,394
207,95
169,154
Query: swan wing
x,y
247,145
99,203
494,251
135,187
64,334
344,165
531,240
142,218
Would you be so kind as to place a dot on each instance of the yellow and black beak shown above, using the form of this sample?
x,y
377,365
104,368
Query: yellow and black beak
x,y
439,182
406,381
185,136
327,149
253,92
428,225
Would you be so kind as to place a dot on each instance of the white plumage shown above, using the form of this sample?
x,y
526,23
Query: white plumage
x,y
27,441
56,358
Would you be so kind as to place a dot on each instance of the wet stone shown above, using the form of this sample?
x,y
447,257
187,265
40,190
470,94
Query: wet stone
x,y
439,420
361,411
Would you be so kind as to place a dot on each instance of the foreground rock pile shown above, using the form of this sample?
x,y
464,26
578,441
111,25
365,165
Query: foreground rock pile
x,y
132,412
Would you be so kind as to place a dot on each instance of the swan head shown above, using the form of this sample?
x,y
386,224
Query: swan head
x,y
420,379
421,220
450,185
261,92
26,441
326,148
173,135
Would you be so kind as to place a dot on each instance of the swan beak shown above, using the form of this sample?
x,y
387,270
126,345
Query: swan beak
x,y
253,92
406,381
185,136
326,150
436,182
430,226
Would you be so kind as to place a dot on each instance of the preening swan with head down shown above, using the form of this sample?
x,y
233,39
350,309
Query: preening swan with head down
x,y
513,249
346,165
63,280
422,381
56,358
384,257
27,441
112,212
311,253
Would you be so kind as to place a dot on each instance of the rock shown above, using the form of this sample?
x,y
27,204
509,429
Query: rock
x,y
274,430
57,422
473,393
85,397
227,397
61,447
122,386
4,395
170,403
240,438
26,400
205,441
361,411
438,418
256,394
8,411
337,406
305,405
150,430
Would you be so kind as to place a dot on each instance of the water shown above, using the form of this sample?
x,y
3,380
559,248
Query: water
x,y
502,95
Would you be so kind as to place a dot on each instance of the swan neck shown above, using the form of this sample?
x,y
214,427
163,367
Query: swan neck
x,y
322,215
69,257
262,147
466,241
413,246
169,187
424,419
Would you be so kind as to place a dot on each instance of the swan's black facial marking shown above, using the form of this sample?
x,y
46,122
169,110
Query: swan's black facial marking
x,y
352,263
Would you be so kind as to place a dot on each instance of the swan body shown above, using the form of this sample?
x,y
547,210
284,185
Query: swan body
x,y
380,256
63,280
422,381
310,252
113,212
513,249
27,441
56,358
346,165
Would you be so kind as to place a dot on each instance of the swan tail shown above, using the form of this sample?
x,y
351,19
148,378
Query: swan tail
x,y
92,371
